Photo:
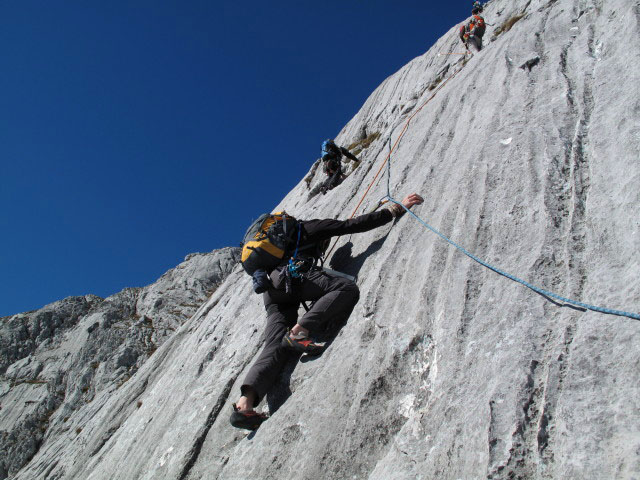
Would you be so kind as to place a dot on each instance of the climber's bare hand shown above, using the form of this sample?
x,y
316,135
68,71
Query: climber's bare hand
x,y
412,199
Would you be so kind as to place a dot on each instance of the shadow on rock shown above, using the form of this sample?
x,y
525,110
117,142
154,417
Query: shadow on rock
x,y
343,261
281,390
327,337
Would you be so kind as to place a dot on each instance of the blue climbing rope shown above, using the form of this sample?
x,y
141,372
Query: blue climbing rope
x,y
541,291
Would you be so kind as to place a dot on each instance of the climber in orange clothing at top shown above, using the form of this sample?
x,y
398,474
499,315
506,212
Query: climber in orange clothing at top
x,y
471,32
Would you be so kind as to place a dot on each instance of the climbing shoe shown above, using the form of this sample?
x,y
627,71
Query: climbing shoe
x,y
247,419
301,344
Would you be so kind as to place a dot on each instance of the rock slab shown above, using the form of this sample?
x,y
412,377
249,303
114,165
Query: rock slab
x,y
445,370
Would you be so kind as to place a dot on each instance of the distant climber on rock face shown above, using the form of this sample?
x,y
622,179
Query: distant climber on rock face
x,y
292,281
471,32
332,164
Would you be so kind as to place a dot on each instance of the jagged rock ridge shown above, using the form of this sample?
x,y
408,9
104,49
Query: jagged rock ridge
x,y
445,369
60,357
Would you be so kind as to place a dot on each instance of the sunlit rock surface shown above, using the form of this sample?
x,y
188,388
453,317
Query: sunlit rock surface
x,y
445,369
58,359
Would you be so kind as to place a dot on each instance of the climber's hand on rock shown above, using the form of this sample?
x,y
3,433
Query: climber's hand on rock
x,y
412,199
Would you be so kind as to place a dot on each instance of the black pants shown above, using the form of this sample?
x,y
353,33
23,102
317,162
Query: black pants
x,y
334,180
474,43
334,299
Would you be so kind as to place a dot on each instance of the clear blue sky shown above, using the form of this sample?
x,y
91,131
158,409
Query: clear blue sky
x,y
133,133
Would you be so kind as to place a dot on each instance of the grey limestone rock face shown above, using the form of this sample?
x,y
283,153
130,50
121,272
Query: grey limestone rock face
x,y
445,369
165,300
22,334
57,359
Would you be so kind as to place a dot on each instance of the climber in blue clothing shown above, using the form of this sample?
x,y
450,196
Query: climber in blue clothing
x,y
332,162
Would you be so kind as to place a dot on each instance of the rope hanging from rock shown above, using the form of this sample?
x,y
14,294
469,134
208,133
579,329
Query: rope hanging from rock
x,y
546,293
388,197
404,130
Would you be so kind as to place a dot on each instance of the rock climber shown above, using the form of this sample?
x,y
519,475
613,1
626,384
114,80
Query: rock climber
x,y
471,32
332,164
334,298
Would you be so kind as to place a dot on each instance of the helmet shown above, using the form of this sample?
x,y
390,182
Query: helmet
x,y
327,145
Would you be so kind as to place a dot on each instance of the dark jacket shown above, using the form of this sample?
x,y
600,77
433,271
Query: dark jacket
x,y
317,231
314,236
333,158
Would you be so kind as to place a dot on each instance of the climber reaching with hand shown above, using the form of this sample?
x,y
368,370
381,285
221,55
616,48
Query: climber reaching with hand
x,y
287,281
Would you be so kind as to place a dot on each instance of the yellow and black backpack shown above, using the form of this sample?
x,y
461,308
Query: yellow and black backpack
x,y
268,241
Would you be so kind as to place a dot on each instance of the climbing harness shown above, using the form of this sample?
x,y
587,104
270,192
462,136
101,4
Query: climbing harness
x,y
293,268
541,291
297,267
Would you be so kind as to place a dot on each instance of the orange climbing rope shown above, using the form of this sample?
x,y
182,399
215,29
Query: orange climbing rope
x,y
404,130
